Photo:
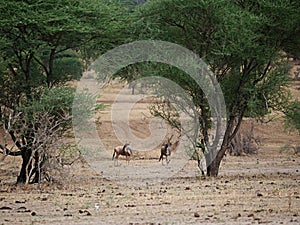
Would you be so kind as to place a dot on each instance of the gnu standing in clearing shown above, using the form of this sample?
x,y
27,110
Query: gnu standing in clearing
x,y
122,150
167,149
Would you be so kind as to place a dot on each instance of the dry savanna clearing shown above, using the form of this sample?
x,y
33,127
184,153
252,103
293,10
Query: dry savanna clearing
x,y
262,188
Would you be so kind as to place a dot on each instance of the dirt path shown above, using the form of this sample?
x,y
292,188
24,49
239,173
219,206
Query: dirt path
x,y
249,190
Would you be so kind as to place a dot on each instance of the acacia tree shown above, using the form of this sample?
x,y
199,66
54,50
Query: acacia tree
x,y
36,128
241,41
40,51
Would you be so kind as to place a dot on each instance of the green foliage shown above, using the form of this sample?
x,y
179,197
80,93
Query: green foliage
x,y
41,43
36,34
111,28
41,46
83,108
67,67
54,101
240,41
50,112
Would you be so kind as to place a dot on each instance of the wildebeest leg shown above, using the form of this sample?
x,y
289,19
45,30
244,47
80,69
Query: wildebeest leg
x,y
167,160
161,158
116,162
113,157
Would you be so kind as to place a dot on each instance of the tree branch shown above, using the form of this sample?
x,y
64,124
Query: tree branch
x,y
6,151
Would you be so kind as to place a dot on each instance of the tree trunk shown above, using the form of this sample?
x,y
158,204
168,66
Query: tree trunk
x,y
26,154
50,67
36,170
230,133
213,164
29,169
213,167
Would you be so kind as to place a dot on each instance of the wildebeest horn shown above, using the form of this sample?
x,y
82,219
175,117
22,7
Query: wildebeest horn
x,y
169,139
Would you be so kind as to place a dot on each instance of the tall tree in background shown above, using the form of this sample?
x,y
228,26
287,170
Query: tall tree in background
x,y
40,50
241,41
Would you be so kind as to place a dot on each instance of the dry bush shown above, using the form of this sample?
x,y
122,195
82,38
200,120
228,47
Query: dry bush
x,y
48,150
290,148
245,142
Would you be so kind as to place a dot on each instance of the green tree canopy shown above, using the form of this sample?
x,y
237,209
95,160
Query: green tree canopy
x,y
243,44
42,47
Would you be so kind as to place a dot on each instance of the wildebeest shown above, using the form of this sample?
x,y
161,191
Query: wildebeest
x,y
167,149
124,150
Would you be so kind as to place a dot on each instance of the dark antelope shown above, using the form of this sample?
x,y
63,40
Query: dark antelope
x,y
122,150
166,150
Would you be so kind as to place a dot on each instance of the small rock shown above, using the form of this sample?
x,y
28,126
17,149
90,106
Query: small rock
x,y
20,202
130,205
237,216
227,203
5,208
196,214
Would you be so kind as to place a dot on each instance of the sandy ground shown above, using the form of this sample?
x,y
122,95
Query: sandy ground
x,y
262,188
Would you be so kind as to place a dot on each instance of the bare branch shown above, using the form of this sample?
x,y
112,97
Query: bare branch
x,y
6,151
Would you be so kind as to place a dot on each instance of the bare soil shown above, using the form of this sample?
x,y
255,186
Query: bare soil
x,y
261,188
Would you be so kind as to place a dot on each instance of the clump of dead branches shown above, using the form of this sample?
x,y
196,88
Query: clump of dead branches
x,y
42,143
245,141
